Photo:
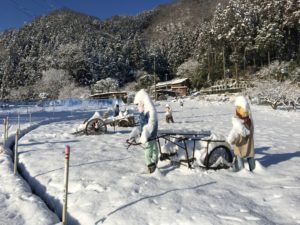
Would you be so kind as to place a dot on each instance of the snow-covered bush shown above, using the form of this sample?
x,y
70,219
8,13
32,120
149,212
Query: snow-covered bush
x,y
280,71
145,80
106,85
188,68
43,95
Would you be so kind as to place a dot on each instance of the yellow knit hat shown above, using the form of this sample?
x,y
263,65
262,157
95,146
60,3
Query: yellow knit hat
x,y
242,112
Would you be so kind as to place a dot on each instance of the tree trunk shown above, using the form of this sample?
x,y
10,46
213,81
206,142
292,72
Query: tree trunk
x,y
244,59
224,66
236,73
236,69
3,83
208,67
215,57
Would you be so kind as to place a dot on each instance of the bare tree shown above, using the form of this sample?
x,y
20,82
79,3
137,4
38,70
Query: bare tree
x,y
274,93
73,91
52,82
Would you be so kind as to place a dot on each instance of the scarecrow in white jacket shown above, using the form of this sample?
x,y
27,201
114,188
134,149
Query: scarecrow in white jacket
x,y
148,128
241,134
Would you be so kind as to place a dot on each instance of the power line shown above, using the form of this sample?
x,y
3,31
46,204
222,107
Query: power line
x,y
46,4
22,9
52,5
38,3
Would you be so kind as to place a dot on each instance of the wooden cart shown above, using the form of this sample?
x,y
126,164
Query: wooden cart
x,y
212,149
96,126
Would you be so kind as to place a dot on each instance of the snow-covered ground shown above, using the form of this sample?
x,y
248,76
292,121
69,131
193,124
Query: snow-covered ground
x,y
108,183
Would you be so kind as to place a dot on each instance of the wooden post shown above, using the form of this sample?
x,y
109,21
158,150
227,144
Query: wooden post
x,y
18,120
4,132
7,126
29,118
66,181
207,159
16,152
114,124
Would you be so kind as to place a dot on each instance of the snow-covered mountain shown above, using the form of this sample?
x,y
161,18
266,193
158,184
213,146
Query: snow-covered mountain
x,y
226,38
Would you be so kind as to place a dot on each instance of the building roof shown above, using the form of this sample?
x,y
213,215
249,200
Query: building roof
x,y
170,82
108,94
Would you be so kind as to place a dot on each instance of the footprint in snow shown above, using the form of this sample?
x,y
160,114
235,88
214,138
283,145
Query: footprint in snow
x,y
154,201
4,196
137,190
275,196
27,197
96,188
180,210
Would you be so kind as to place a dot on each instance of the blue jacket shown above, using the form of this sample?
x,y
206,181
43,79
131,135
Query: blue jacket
x,y
144,118
117,111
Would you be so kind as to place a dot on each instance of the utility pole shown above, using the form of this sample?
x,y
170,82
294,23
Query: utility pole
x,y
208,67
154,69
224,65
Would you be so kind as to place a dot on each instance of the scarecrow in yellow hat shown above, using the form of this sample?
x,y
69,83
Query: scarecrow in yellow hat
x,y
241,135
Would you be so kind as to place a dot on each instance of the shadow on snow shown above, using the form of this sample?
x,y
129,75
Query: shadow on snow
x,y
269,159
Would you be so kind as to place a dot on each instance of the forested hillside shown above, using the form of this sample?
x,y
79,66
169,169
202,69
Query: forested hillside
x,y
205,40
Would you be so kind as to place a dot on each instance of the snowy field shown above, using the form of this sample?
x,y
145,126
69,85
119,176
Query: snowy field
x,y
108,183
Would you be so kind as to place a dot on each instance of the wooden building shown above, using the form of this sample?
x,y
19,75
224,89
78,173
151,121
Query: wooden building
x,y
180,86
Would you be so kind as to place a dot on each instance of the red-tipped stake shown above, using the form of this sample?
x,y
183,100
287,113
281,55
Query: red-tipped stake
x,y
66,181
